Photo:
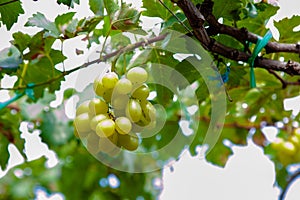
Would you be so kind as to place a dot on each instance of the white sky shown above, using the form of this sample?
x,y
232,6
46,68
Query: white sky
x,y
248,174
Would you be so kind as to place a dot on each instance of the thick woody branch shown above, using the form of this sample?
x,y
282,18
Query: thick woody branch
x,y
242,34
195,18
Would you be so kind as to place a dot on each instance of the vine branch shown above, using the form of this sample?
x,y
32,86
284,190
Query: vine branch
x,y
101,59
198,15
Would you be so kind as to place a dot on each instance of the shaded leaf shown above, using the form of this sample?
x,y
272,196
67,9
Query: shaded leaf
x,y
41,21
10,58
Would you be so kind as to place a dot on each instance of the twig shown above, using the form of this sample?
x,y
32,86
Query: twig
x,y
289,182
102,59
283,82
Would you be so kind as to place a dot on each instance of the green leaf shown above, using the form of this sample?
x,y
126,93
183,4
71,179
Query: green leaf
x,y
63,19
69,3
41,21
228,9
10,58
285,28
111,6
55,127
219,154
155,9
21,40
3,150
10,12
257,25
127,19
97,6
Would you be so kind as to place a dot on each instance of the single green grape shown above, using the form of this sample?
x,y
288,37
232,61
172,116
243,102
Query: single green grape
x,y
83,108
93,143
97,106
149,110
133,110
129,141
137,75
105,128
119,102
123,125
98,87
107,95
82,123
288,148
96,119
141,92
123,86
109,80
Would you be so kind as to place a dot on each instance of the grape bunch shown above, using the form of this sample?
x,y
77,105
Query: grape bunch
x,y
288,150
120,110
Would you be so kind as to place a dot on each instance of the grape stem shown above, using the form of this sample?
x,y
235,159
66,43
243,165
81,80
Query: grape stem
x,y
104,58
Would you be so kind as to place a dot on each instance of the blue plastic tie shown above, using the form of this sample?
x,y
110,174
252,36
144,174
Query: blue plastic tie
x,y
28,91
261,43
224,77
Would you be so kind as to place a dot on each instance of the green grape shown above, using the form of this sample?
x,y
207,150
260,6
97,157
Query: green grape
x,y
107,95
82,123
297,133
149,110
129,141
277,143
109,80
93,143
97,106
98,87
123,125
96,119
295,140
123,86
108,144
119,102
105,128
137,75
83,108
288,148
141,92
133,110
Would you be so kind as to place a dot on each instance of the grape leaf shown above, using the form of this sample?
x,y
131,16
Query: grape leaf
x,y
97,6
41,21
9,133
285,28
55,127
69,3
228,9
64,18
3,150
10,11
21,40
111,6
257,24
155,9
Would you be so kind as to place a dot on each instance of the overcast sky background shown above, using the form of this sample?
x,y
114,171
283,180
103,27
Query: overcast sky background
x,y
248,174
